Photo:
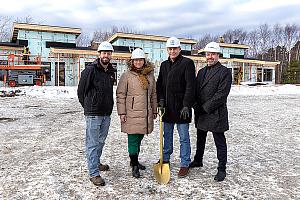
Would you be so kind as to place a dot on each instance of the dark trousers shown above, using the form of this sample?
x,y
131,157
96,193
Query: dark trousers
x,y
220,142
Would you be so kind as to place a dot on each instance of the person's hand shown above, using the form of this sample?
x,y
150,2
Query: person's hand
x,y
161,103
185,113
123,118
154,115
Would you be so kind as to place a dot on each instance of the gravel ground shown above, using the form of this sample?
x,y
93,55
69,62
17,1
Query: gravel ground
x,y
42,154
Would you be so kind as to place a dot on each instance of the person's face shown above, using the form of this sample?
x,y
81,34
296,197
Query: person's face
x,y
211,58
173,52
138,63
105,57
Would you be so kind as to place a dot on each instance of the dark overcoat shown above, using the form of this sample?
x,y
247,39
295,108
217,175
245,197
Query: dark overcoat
x,y
211,94
176,85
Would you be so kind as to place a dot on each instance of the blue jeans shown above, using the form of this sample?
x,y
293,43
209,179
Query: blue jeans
x,y
185,145
96,133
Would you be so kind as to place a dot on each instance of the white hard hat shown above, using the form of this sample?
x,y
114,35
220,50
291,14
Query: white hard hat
x,y
212,47
105,46
173,42
138,53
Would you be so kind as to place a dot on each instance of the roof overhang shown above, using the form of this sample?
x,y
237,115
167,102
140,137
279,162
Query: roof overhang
x,y
238,46
224,60
147,37
115,55
42,28
11,48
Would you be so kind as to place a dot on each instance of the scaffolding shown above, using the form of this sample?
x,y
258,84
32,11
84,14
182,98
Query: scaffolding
x,y
21,69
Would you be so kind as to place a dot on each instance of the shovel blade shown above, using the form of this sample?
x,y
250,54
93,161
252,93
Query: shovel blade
x,y
162,173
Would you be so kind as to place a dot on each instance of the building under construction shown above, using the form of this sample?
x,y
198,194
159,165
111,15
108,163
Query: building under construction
x,y
53,58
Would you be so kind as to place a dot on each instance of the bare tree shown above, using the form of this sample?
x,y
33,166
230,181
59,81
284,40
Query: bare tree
x,y
235,34
83,40
297,57
5,24
103,35
228,36
264,34
28,19
204,40
253,43
277,39
290,37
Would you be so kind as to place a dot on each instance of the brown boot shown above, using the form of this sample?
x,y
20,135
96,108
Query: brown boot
x,y
103,167
183,172
97,180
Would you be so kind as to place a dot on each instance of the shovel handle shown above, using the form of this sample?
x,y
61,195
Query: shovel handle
x,y
161,113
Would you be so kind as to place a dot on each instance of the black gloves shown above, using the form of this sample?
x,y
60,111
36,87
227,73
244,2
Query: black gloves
x,y
161,103
199,109
185,113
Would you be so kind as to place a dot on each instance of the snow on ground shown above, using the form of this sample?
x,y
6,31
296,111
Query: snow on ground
x,y
42,150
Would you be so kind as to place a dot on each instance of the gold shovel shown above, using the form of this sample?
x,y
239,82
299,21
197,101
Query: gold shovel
x,y
161,170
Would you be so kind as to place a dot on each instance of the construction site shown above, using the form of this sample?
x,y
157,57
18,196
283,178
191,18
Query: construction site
x,y
48,55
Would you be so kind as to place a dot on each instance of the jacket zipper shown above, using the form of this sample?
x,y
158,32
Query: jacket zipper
x,y
132,102
147,113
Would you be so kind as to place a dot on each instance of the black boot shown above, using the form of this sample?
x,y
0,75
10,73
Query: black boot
x,y
135,169
136,172
196,163
141,167
220,176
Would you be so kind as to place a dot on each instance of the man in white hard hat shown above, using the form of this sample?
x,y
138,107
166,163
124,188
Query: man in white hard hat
x,y
213,85
95,94
175,92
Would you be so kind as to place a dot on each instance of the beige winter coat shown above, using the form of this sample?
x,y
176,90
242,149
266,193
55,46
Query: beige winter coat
x,y
133,100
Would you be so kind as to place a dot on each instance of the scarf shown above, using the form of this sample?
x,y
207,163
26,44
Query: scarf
x,y
142,75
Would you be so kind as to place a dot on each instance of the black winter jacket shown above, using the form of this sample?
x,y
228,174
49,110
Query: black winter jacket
x,y
176,85
95,89
211,95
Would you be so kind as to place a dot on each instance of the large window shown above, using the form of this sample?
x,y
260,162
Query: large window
x,y
268,74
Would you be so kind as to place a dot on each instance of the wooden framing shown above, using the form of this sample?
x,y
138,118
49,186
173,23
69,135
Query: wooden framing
x,y
115,55
44,28
20,67
223,60
3,47
239,46
147,37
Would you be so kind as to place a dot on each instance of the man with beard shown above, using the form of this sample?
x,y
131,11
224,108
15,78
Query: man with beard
x,y
95,94
213,85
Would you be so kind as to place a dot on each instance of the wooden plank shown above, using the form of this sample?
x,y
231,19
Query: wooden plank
x,y
46,28
21,67
148,37
262,62
115,55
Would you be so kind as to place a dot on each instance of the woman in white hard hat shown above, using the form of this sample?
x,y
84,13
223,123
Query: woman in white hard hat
x,y
136,103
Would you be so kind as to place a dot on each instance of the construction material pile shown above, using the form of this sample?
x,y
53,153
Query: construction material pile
x,y
11,93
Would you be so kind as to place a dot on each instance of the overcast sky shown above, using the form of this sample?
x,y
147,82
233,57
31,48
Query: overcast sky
x,y
181,18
